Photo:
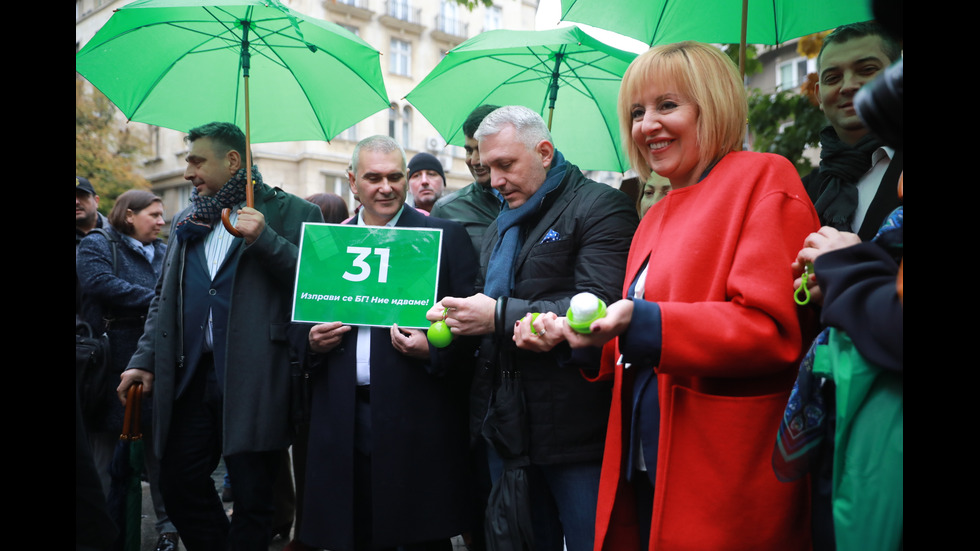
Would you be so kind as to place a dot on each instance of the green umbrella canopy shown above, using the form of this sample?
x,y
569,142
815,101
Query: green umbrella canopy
x,y
179,64
523,68
716,21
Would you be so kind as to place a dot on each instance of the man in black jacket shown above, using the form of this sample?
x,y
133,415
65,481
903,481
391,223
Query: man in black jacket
x,y
856,185
559,234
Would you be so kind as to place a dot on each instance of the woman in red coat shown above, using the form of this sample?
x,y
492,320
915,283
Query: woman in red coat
x,y
705,345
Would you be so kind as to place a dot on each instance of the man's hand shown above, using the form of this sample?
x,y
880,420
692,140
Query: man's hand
x,y
617,319
410,342
546,335
129,378
250,223
325,337
467,316
824,240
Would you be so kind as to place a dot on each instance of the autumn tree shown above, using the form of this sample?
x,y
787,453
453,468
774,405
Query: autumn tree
x,y
105,153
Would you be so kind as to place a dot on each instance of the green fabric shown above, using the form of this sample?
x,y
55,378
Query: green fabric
x,y
517,68
178,65
868,483
714,21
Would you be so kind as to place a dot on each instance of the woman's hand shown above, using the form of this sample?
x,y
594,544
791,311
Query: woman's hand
x,y
547,332
613,324
824,240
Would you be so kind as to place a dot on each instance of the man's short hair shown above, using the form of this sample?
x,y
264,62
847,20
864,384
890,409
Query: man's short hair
x,y
842,34
529,126
473,121
379,143
224,134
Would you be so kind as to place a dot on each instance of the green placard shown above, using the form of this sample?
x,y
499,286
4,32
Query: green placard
x,y
366,275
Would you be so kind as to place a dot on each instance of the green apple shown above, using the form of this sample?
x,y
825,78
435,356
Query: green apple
x,y
439,334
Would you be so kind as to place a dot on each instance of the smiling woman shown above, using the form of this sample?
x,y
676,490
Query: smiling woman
x,y
707,329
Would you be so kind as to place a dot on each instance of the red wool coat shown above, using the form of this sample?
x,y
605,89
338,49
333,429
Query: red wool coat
x,y
719,254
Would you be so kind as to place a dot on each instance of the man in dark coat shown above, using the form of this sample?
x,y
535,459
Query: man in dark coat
x,y
214,351
387,447
559,234
855,187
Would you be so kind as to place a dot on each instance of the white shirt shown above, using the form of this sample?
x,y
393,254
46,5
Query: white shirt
x,y
868,185
363,360
216,246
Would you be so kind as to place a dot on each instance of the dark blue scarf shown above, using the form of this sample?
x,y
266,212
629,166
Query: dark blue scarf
x,y
500,270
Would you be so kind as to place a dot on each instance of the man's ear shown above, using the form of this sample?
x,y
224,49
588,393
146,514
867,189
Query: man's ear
x,y
234,160
816,90
547,152
352,182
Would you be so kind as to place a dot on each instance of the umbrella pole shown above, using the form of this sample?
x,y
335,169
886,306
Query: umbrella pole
x,y
741,51
249,192
553,88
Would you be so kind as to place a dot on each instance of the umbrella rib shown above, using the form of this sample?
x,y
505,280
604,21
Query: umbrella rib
x,y
660,20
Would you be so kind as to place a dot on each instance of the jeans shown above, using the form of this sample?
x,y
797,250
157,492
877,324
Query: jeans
x,y
563,502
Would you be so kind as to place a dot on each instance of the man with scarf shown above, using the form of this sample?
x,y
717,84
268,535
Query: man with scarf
x,y
855,187
559,234
214,352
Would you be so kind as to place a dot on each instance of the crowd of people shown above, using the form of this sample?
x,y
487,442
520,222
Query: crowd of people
x,y
681,419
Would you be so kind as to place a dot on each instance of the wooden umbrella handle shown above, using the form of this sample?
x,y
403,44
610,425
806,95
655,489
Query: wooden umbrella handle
x,y
131,419
226,220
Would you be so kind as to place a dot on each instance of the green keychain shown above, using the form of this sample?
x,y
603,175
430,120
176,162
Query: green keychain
x,y
805,278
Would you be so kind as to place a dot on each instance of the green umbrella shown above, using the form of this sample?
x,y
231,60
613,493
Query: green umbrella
x,y
179,64
568,77
716,21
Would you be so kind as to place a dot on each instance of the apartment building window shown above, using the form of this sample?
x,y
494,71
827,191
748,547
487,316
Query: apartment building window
x,y
407,127
351,28
492,19
791,74
392,120
401,57
400,9
448,22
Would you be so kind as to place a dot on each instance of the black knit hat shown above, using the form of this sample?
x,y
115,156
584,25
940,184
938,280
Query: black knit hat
x,y
424,161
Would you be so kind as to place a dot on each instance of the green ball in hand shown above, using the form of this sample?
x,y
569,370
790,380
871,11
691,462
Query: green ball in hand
x,y
439,334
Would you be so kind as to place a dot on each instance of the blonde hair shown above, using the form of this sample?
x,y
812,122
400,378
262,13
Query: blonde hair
x,y
705,75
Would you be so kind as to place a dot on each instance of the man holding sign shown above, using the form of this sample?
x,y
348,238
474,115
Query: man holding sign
x,y
388,437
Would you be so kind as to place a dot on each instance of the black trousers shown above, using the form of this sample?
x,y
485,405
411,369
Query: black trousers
x,y
191,455
363,522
